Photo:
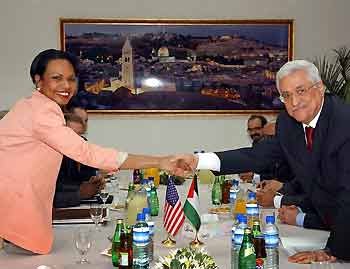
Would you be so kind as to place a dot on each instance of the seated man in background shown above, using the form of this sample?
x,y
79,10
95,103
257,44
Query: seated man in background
x,y
76,181
259,129
255,127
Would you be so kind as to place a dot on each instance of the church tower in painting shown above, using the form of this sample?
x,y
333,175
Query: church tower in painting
x,y
127,65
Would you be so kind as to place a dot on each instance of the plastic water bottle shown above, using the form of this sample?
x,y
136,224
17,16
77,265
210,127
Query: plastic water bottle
x,y
234,226
237,240
233,195
252,209
271,243
140,243
150,223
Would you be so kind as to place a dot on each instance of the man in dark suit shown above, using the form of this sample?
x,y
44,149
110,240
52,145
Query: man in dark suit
x,y
313,137
75,181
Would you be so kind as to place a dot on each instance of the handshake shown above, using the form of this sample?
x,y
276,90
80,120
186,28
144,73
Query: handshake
x,y
179,164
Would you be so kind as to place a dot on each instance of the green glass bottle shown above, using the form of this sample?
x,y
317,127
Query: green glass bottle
x,y
216,193
154,202
256,229
247,258
116,242
131,192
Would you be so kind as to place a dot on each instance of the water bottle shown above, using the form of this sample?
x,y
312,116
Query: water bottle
x,y
234,226
238,239
252,209
271,243
140,243
233,195
150,223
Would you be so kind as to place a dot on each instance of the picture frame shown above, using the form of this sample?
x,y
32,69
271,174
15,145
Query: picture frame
x,y
160,66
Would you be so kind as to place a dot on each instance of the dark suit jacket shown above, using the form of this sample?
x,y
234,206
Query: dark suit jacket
x,y
324,173
70,176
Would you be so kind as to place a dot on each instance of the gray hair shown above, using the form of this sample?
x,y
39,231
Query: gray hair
x,y
296,65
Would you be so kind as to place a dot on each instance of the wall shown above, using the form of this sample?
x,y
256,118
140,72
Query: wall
x,y
29,26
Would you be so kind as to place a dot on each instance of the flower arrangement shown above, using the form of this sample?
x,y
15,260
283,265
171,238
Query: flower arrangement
x,y
187,258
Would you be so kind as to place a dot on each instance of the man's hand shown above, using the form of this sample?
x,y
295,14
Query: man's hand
x,y
288,214
88,190
246,177
180,164
272,184
99,181
310,256
265,197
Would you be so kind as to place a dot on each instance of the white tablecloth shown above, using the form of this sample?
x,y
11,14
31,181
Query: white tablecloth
x,y
64,255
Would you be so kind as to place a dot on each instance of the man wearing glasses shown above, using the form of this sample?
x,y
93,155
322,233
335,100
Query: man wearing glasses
x,y
313,137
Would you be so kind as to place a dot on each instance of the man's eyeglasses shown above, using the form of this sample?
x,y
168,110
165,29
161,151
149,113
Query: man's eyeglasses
x,y
287,96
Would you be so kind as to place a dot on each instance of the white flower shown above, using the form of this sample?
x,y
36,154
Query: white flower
x,y
188,258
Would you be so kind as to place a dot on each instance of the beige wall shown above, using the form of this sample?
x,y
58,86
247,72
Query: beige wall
x,y
29,26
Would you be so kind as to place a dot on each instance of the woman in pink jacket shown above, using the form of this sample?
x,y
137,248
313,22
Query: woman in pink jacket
x,y
33,138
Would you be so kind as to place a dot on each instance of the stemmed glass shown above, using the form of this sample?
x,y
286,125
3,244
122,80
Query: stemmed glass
x,y
96,213
82,241
104,193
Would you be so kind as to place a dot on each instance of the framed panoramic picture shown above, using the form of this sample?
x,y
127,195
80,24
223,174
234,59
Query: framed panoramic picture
x,y
178,66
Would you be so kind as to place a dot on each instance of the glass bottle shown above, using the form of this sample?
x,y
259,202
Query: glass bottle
x,y
154,202
131,192
136,205
116,242
247,257
125,251
260,251
226,191
216,194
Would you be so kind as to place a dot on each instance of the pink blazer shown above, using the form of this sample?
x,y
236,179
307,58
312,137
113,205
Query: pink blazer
x,y
33,138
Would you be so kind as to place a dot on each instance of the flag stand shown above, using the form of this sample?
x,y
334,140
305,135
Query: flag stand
x,y
196,243
169,242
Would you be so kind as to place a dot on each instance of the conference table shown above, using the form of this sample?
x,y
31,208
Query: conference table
x,y
215,234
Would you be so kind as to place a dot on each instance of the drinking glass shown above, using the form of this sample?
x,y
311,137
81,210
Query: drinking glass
x,y
82,241
116,190
96,213
104,195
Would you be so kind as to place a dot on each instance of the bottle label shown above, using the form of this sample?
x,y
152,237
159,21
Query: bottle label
x,y
151,227
238,237
233,196
141,235
259,263
271,240
124,259
252,209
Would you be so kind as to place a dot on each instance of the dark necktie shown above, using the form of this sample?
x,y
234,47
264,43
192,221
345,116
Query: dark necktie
x,y
309,131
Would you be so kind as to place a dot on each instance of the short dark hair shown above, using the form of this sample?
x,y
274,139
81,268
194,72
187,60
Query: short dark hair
x,y
69,117
40,62
262,119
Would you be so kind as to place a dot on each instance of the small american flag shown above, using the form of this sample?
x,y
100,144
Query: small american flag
x,y
173,213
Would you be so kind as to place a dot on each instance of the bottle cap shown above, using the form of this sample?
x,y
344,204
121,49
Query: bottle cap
x,y
235,182
244,219
270,219
251,195
239,217
140,216
146,210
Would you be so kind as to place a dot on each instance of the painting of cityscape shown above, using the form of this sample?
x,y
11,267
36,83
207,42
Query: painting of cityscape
x,y
178,66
